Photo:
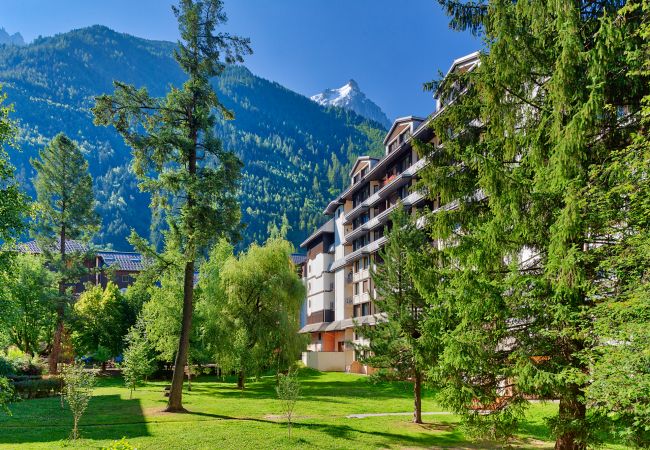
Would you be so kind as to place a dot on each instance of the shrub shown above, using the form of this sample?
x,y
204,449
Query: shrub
x,y
27,387
6,395
15,362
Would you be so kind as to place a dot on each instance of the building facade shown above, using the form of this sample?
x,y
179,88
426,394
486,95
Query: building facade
x,y
340,254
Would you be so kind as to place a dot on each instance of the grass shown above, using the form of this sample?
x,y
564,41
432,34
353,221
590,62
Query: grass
x,y
220,416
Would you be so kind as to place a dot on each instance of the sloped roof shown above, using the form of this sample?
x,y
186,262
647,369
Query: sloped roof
x,y
71,246
127,261
298,259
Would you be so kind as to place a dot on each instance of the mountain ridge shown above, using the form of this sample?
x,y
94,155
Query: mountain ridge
x,y
293,149
11,39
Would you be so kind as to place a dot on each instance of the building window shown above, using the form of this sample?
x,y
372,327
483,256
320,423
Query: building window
x,y
365,309
320,336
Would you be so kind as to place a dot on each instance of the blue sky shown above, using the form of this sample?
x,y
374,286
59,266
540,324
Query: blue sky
x,y
389,47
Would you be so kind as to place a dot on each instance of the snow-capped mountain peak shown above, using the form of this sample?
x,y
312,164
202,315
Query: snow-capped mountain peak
x,y
349,96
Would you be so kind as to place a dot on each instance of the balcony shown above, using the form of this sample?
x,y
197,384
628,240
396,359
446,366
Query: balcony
x,y
365,250
360,275
324,315
361,298
392,184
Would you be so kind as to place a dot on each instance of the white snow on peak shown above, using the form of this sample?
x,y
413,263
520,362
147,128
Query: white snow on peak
x,y
349,96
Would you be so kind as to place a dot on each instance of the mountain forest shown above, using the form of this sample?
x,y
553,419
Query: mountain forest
x,y
296,153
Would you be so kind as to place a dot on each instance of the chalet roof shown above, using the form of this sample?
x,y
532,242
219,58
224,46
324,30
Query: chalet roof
x,y
399,121
327,227
298,259
71,246
126,261
361,159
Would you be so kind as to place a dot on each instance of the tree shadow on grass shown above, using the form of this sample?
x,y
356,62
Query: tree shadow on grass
x,y
432,435
43,420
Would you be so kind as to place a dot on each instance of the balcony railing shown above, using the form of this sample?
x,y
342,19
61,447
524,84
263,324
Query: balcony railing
x,y
393,184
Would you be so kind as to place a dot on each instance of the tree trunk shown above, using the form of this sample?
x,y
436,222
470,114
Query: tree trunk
x,y
55,354
241,380
572,409
417,397
104,366
176,393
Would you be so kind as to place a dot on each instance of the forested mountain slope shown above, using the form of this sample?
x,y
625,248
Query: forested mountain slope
x,y
295,152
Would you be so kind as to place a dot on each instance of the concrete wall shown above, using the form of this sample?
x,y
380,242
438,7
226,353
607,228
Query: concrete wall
x,y
325,361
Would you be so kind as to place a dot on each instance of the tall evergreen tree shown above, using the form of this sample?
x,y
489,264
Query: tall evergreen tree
x,y
176,154
65,211
618,198
395,345
13,203
551,99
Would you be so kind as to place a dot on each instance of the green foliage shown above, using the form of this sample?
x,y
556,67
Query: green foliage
x,y
395,344
6,395
552,101
177,156
617,195
27,302
138,363
15,362
37,387
78,387
64,210
100,322
64,194
250,306
13,204
122,444
279,135
288,390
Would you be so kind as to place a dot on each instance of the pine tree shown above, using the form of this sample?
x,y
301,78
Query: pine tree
x,y
550,101
395,343
177,156
65,211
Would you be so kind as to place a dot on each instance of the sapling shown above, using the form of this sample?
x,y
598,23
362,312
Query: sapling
x,y
288,390
77,389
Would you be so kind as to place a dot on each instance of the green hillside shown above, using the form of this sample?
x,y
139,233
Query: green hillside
x,y
293,150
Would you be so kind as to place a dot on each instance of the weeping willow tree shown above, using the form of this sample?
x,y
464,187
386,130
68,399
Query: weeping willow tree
x,y
556,96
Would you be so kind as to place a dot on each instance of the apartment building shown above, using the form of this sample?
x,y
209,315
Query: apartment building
x,y
340,291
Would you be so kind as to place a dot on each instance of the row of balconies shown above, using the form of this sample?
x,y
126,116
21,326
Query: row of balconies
x,y
392,185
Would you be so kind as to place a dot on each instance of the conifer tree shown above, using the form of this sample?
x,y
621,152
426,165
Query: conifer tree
x,y
13,203
176,154
394,343
65,211
551,100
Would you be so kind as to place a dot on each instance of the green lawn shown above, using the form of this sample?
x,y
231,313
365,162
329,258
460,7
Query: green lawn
x,y
222,417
